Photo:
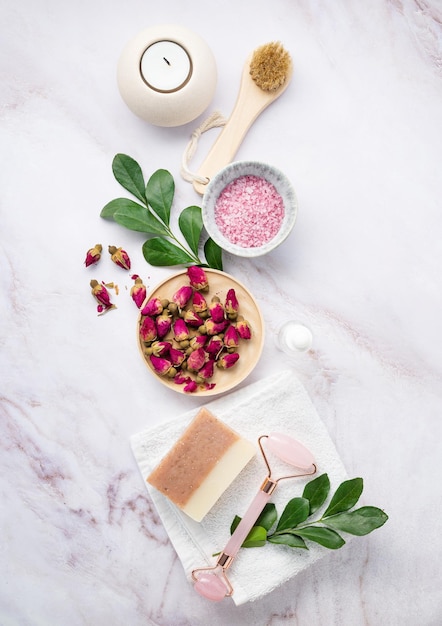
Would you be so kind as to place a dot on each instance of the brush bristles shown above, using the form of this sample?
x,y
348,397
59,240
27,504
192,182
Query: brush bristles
x,y
270,66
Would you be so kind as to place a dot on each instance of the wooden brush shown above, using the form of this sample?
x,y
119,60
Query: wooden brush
x,y
265,77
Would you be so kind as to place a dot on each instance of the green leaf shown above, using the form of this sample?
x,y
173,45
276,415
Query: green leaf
x,y
128,173
296,511
346,496
324,536
111,207
268,516
191,225
162,252
234,524
214,255
289,539
256,538
160,190
316,492
359,522
139,218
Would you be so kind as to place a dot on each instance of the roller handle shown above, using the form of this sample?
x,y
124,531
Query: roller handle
x,y
246,524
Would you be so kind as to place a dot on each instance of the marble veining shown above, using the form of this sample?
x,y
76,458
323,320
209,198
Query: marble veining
x,y
358,132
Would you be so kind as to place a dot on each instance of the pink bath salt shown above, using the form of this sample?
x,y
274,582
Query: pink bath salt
x,y
249,211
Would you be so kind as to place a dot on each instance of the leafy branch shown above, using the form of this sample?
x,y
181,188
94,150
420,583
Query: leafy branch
x,y
151,215
293,527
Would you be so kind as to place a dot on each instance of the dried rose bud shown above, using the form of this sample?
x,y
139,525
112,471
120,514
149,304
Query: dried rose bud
x,y
180,379
199,303
148,330
161,366
207,386
231,305
180,330
152,307
176,357
161,348
231,338
102,296
227,360
214,346
197,278
138,291
164,324
192,318
196,359
93,255
206,371
119,257
243,328
182,296
216,310
198,341
172,307
190,386
214,328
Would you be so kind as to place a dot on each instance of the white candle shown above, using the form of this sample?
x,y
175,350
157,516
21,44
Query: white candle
x,y
165,66
167,75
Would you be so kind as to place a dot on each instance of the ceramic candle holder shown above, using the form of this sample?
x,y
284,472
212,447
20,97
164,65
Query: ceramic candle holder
x,y
167,75
249,208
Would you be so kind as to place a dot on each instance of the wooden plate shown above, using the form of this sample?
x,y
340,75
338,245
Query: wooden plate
x,y
249,350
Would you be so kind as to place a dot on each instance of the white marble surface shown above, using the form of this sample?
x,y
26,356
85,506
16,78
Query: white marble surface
x,y
359,133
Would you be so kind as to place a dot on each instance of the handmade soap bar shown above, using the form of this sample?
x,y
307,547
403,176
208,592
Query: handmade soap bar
x,y
201,465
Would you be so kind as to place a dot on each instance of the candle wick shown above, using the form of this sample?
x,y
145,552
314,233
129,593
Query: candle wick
x,y
164,59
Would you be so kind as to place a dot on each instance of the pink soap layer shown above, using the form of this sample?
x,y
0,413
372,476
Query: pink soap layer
x,y
191,459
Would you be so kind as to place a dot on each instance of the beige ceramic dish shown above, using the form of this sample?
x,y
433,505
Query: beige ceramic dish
x,y
249,350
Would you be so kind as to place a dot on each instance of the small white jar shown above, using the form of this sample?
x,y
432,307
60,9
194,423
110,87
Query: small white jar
x,y
294,338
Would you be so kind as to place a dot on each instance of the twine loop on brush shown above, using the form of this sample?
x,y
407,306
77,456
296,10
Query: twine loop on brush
x,y
215,120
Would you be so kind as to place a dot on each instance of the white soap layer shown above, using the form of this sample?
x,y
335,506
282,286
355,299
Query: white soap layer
x,y
221,476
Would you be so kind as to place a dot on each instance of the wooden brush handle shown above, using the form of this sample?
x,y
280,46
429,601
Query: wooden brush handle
x,y
251,101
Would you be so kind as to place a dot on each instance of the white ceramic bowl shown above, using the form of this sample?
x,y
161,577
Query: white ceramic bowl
x,y
232,172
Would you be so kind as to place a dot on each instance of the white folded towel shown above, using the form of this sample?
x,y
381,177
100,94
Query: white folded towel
x,y
278,403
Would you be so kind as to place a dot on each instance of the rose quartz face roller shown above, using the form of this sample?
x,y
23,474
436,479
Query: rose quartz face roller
x,y
212,582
